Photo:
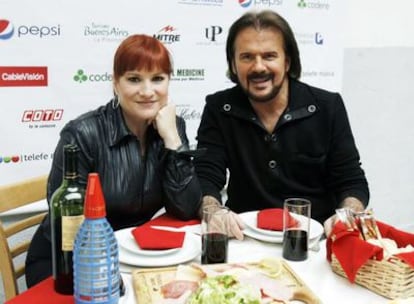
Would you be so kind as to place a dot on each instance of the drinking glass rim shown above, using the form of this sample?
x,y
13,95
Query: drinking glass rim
x,y
297,201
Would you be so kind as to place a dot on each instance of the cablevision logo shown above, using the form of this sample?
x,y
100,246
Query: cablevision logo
x,y
8,30
20,76
81,76
312,4
266,3
30,157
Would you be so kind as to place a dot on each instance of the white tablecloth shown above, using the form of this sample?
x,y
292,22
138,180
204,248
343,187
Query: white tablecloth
x,y
315,272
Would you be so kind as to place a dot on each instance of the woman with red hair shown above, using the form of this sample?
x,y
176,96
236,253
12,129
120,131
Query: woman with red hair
x,y
136,143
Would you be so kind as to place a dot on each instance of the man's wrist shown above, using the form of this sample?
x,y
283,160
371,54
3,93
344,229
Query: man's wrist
x,y
207,201
353,203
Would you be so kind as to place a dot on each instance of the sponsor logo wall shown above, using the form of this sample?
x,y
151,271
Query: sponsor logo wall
x,y
56,61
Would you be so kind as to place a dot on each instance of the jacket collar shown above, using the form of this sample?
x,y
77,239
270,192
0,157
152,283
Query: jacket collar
x,y
302,103
117,127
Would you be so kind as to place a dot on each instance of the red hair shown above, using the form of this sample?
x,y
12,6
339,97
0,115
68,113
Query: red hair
x,y
141,52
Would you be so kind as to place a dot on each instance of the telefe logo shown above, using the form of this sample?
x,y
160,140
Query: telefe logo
x,y
41,156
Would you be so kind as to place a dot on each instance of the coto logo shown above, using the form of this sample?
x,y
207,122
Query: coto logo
x,y
245,3
42,115
6,29
9,159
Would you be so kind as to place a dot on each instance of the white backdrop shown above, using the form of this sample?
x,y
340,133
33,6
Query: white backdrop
x,y
56,60
378,90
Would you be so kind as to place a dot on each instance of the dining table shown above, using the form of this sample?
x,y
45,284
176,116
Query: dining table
x,y
315,272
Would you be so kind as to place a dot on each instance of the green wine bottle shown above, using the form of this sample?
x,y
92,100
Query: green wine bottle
x,y
66,216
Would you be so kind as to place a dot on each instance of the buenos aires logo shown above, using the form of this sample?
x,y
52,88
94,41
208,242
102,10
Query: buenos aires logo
x,y
6,29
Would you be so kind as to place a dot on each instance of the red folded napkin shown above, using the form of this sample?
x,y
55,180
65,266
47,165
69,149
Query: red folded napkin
x,y
155,239
272,219
168,220
352,252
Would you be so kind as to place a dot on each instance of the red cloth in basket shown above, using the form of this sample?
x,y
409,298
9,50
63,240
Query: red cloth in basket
x,y
352,252
272,219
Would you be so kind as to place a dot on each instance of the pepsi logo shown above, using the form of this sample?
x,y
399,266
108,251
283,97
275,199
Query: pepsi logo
x,y
6,29
245,3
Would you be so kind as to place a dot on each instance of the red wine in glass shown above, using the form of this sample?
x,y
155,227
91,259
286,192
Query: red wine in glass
x,y
295,245
214,248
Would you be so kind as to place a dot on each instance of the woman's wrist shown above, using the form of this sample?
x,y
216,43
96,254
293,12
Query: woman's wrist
x,y
173,143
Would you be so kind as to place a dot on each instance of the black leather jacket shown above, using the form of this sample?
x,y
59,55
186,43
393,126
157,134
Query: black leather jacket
x,y
135,187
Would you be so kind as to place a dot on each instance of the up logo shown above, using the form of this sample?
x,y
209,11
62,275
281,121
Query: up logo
x,y
6,29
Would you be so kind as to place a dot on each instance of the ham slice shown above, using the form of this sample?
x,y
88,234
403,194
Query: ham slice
x,y
176,288
268,286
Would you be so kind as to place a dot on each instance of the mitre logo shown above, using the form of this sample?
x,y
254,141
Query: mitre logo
x,y
167,35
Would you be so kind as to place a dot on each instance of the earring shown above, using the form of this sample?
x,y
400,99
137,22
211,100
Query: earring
x,y
115,102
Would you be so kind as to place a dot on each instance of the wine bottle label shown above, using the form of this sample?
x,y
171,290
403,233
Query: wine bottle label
x,y
70,226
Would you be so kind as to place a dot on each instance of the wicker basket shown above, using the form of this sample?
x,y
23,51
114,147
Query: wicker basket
x,y
392,278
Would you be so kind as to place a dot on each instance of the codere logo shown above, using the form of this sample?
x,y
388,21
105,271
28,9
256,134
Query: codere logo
x,y
318,4
81,76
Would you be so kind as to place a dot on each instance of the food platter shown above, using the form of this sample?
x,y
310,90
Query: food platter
x,y
149,283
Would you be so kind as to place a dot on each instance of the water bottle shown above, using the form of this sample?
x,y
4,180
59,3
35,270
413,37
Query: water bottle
x,y
95,256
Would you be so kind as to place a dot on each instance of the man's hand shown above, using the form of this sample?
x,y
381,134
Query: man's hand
x,y
350,202
235,224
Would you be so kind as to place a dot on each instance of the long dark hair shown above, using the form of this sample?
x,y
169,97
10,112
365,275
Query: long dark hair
x,y
264,20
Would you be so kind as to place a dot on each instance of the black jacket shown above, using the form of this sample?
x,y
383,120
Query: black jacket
x,y
311,153
135,188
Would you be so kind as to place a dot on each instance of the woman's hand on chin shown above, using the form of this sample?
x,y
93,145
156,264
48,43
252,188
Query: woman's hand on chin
x,y
165,123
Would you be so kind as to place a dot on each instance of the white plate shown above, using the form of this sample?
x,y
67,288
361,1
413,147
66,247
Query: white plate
x,y
127,241
250,219
191,249
262,237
